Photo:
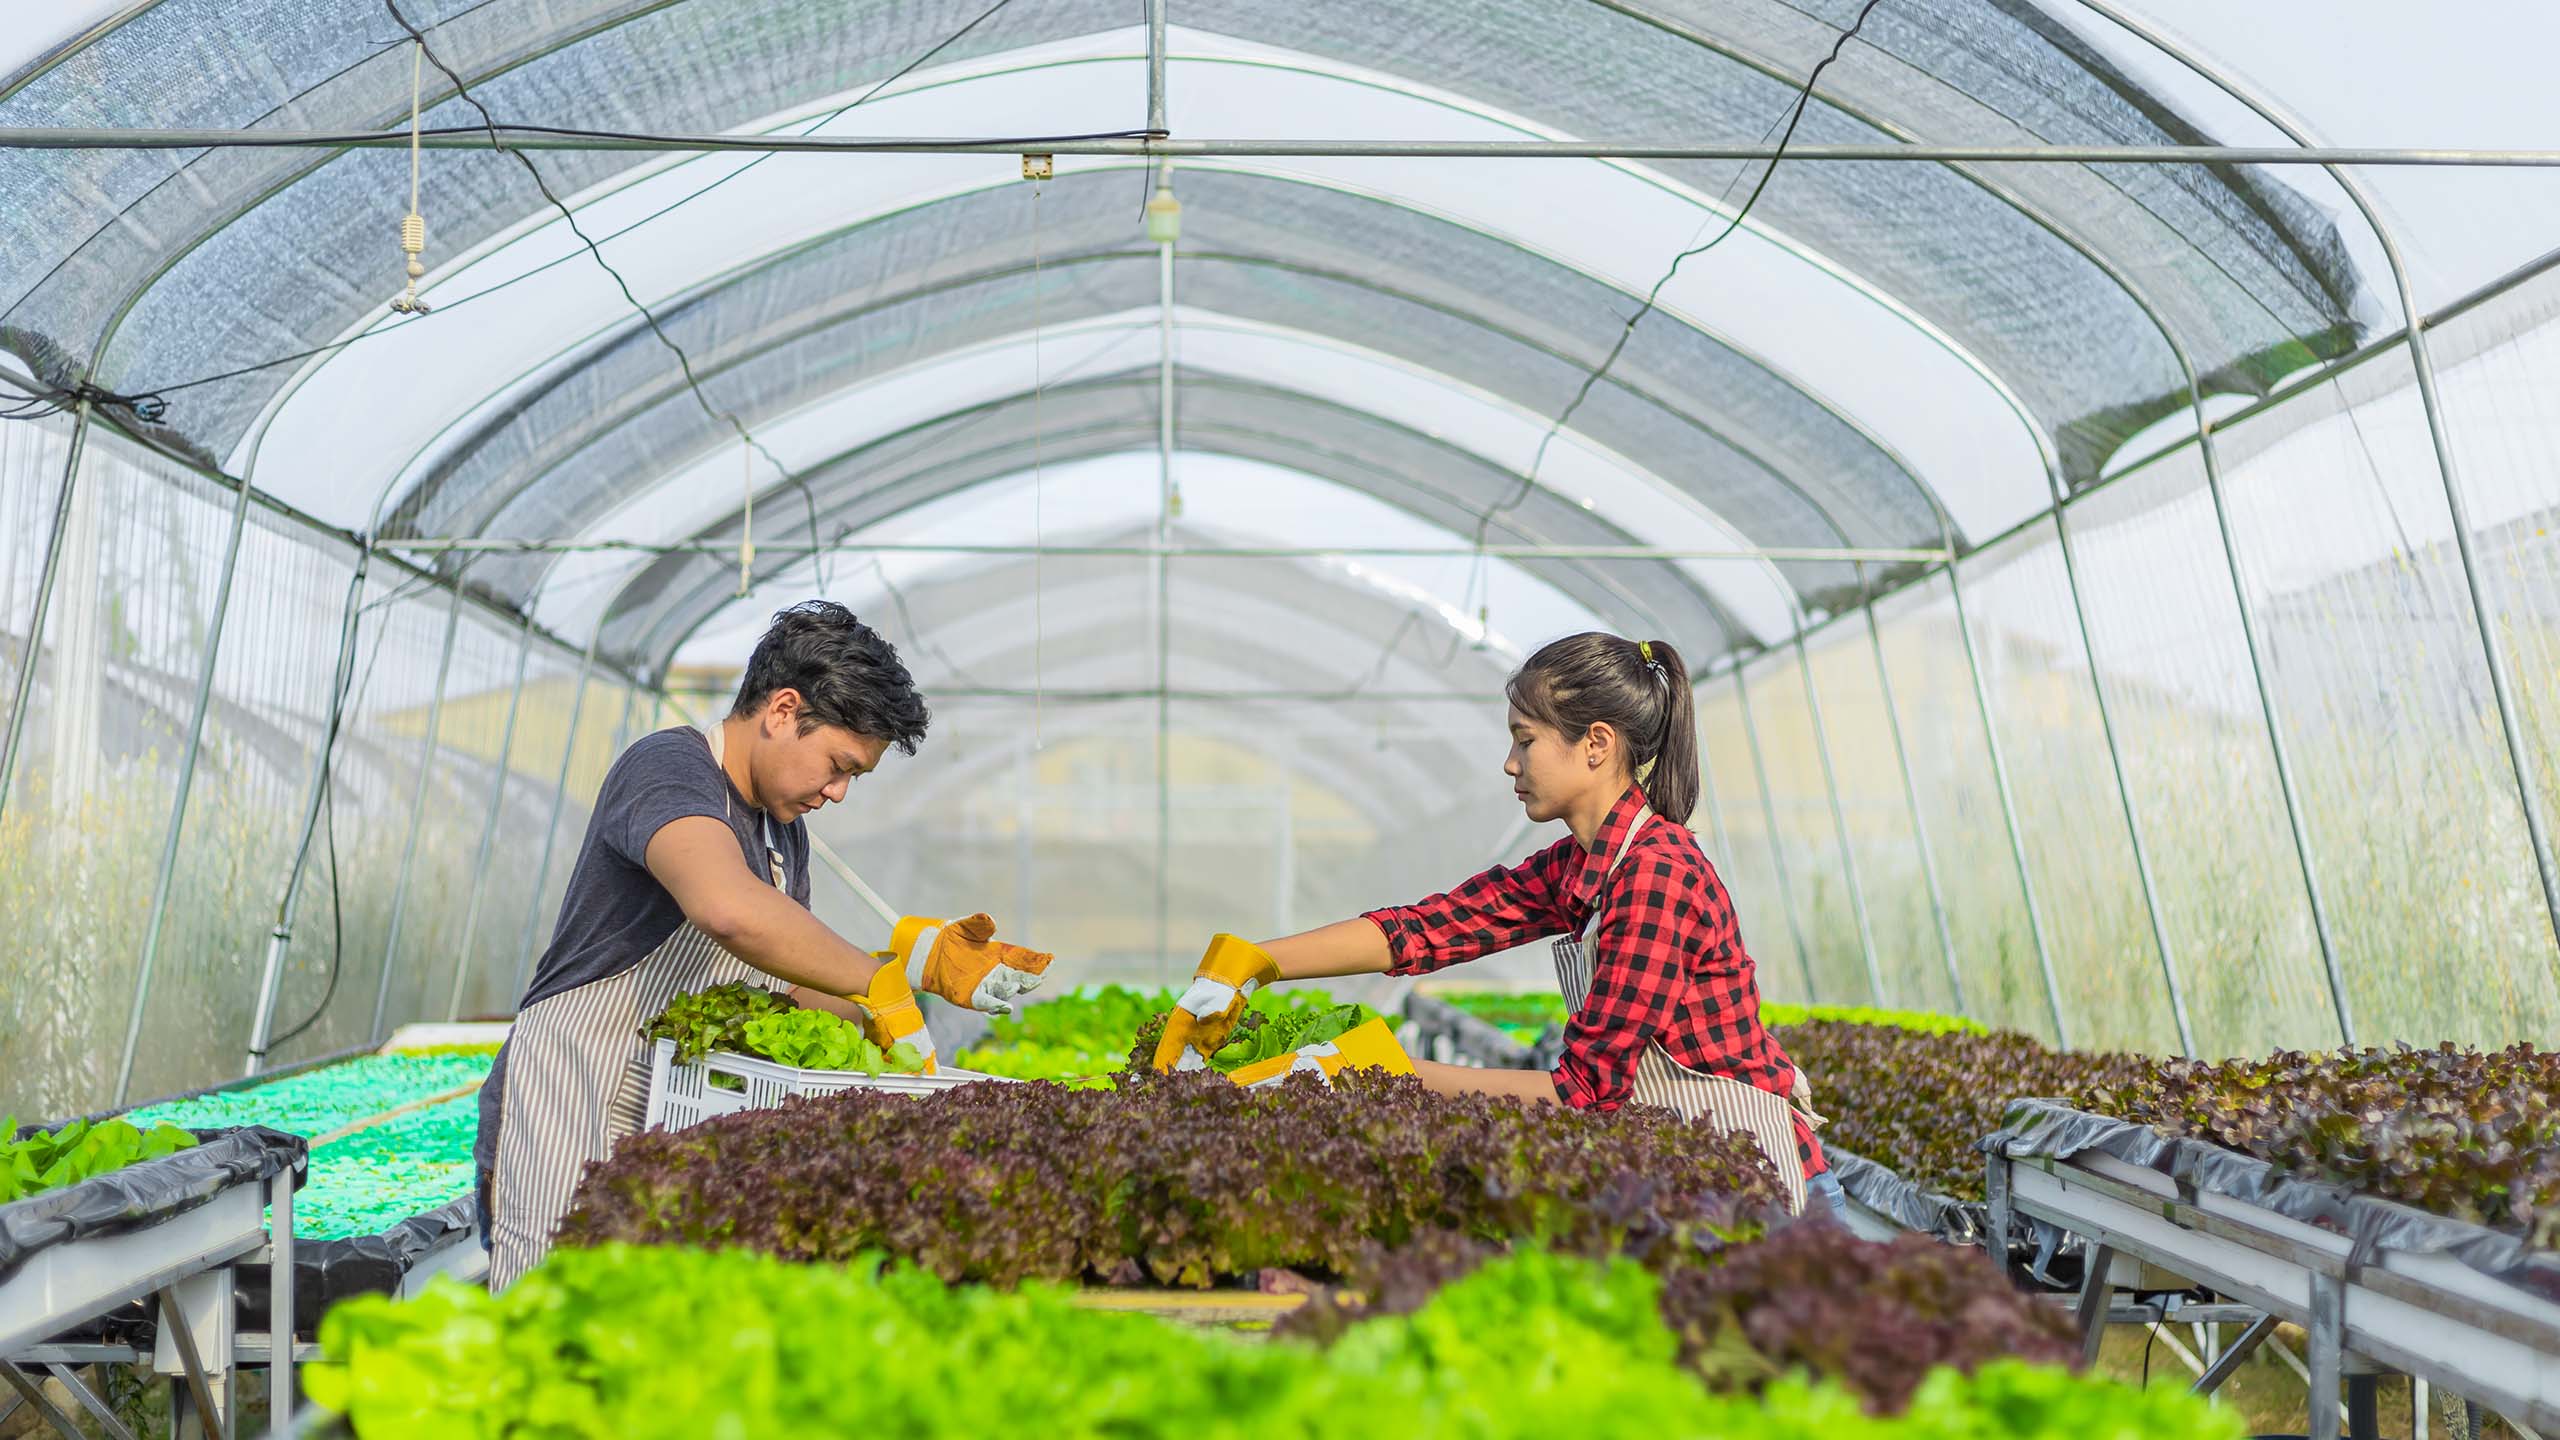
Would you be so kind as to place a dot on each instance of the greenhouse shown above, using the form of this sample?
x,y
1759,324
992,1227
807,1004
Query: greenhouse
x,y
1969,580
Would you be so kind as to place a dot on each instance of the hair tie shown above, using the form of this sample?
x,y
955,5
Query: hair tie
x,y
1644,648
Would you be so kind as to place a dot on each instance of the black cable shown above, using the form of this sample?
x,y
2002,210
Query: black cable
x,y
1803,100
568,216
660,213
2146,1353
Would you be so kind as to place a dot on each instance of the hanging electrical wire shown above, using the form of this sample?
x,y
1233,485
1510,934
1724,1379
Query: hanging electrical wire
x,y
1793,115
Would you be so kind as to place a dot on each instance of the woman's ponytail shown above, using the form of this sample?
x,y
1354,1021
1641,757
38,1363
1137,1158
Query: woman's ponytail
x,y
1640,689
1670,778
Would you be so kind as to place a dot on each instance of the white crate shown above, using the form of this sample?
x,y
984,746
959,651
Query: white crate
x,y
682,1095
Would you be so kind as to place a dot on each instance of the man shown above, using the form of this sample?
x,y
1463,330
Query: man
x,y
695,872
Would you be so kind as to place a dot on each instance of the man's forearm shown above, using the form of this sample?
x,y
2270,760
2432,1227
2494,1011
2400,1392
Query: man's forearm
x,y
1346,947
779,937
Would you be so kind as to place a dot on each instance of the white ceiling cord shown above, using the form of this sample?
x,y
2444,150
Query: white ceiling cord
x,y
413,229
1039,535
747,516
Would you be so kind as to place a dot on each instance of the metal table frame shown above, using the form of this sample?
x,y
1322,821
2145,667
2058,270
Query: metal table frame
x,y
187,1265
2421,1314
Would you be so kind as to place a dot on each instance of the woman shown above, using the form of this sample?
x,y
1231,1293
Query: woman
x,y
1665,1007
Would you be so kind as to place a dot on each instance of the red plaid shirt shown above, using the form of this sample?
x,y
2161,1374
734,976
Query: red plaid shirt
x,y
1667,961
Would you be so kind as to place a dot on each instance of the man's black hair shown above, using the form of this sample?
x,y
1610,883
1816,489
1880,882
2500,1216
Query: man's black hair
x,y
846,674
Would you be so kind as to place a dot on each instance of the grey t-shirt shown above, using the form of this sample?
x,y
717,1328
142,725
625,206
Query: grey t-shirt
x,y
615,912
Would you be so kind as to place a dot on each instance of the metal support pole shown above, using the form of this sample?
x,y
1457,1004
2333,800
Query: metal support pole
x,y
489,829
186,787
1839,818
1777,852
1155,69
280,937
2249,636
280,1317
47,137
1164,598
44,606
2422,366
2324,1351
1919,825
2009,811
2115,762
2501,685
551,832
2237,1353
417,813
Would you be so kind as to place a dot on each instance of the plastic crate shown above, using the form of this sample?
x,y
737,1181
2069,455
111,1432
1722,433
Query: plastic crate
x,y
682,1095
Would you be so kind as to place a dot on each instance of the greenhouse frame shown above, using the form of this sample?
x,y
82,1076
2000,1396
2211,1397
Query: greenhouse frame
x,y
2096,464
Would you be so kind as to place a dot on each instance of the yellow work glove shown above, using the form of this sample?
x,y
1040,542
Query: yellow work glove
x,y
1229,973
1370,1044
964,963
891,1015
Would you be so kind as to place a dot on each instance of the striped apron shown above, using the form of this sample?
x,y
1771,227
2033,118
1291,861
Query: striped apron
x,y
578,1080
1660,1080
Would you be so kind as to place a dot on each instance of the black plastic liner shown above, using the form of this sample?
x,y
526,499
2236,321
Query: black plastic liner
x,y
2051,1128
1907,1203
147,1193
328,1271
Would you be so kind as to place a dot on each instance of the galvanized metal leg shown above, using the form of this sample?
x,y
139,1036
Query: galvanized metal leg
x,y
280,938
551,832
2115,762
44,605
31,1393
178,802
1777,852
489,829
2326,1353
1839,818
280,1316
2095,1293
417,813
90,1401
1919,825
2234,1355
2009,811
199,1383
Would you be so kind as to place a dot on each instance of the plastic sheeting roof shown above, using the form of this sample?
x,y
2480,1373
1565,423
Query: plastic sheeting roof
x,y
2071,299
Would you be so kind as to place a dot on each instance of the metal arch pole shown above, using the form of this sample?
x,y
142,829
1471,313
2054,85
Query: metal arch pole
x,y
489,828
63,137
2115,762
417,813
186,787
280,938
2501,685
2009,813
2249,635
1777,852
1839,816
1163,567
1911,797
559,802
44,605
2422,365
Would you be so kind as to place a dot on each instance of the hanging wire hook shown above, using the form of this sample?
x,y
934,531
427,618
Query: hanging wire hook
x,y
413,229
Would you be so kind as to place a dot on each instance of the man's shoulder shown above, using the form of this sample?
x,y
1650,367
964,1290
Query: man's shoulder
x,y
677,750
